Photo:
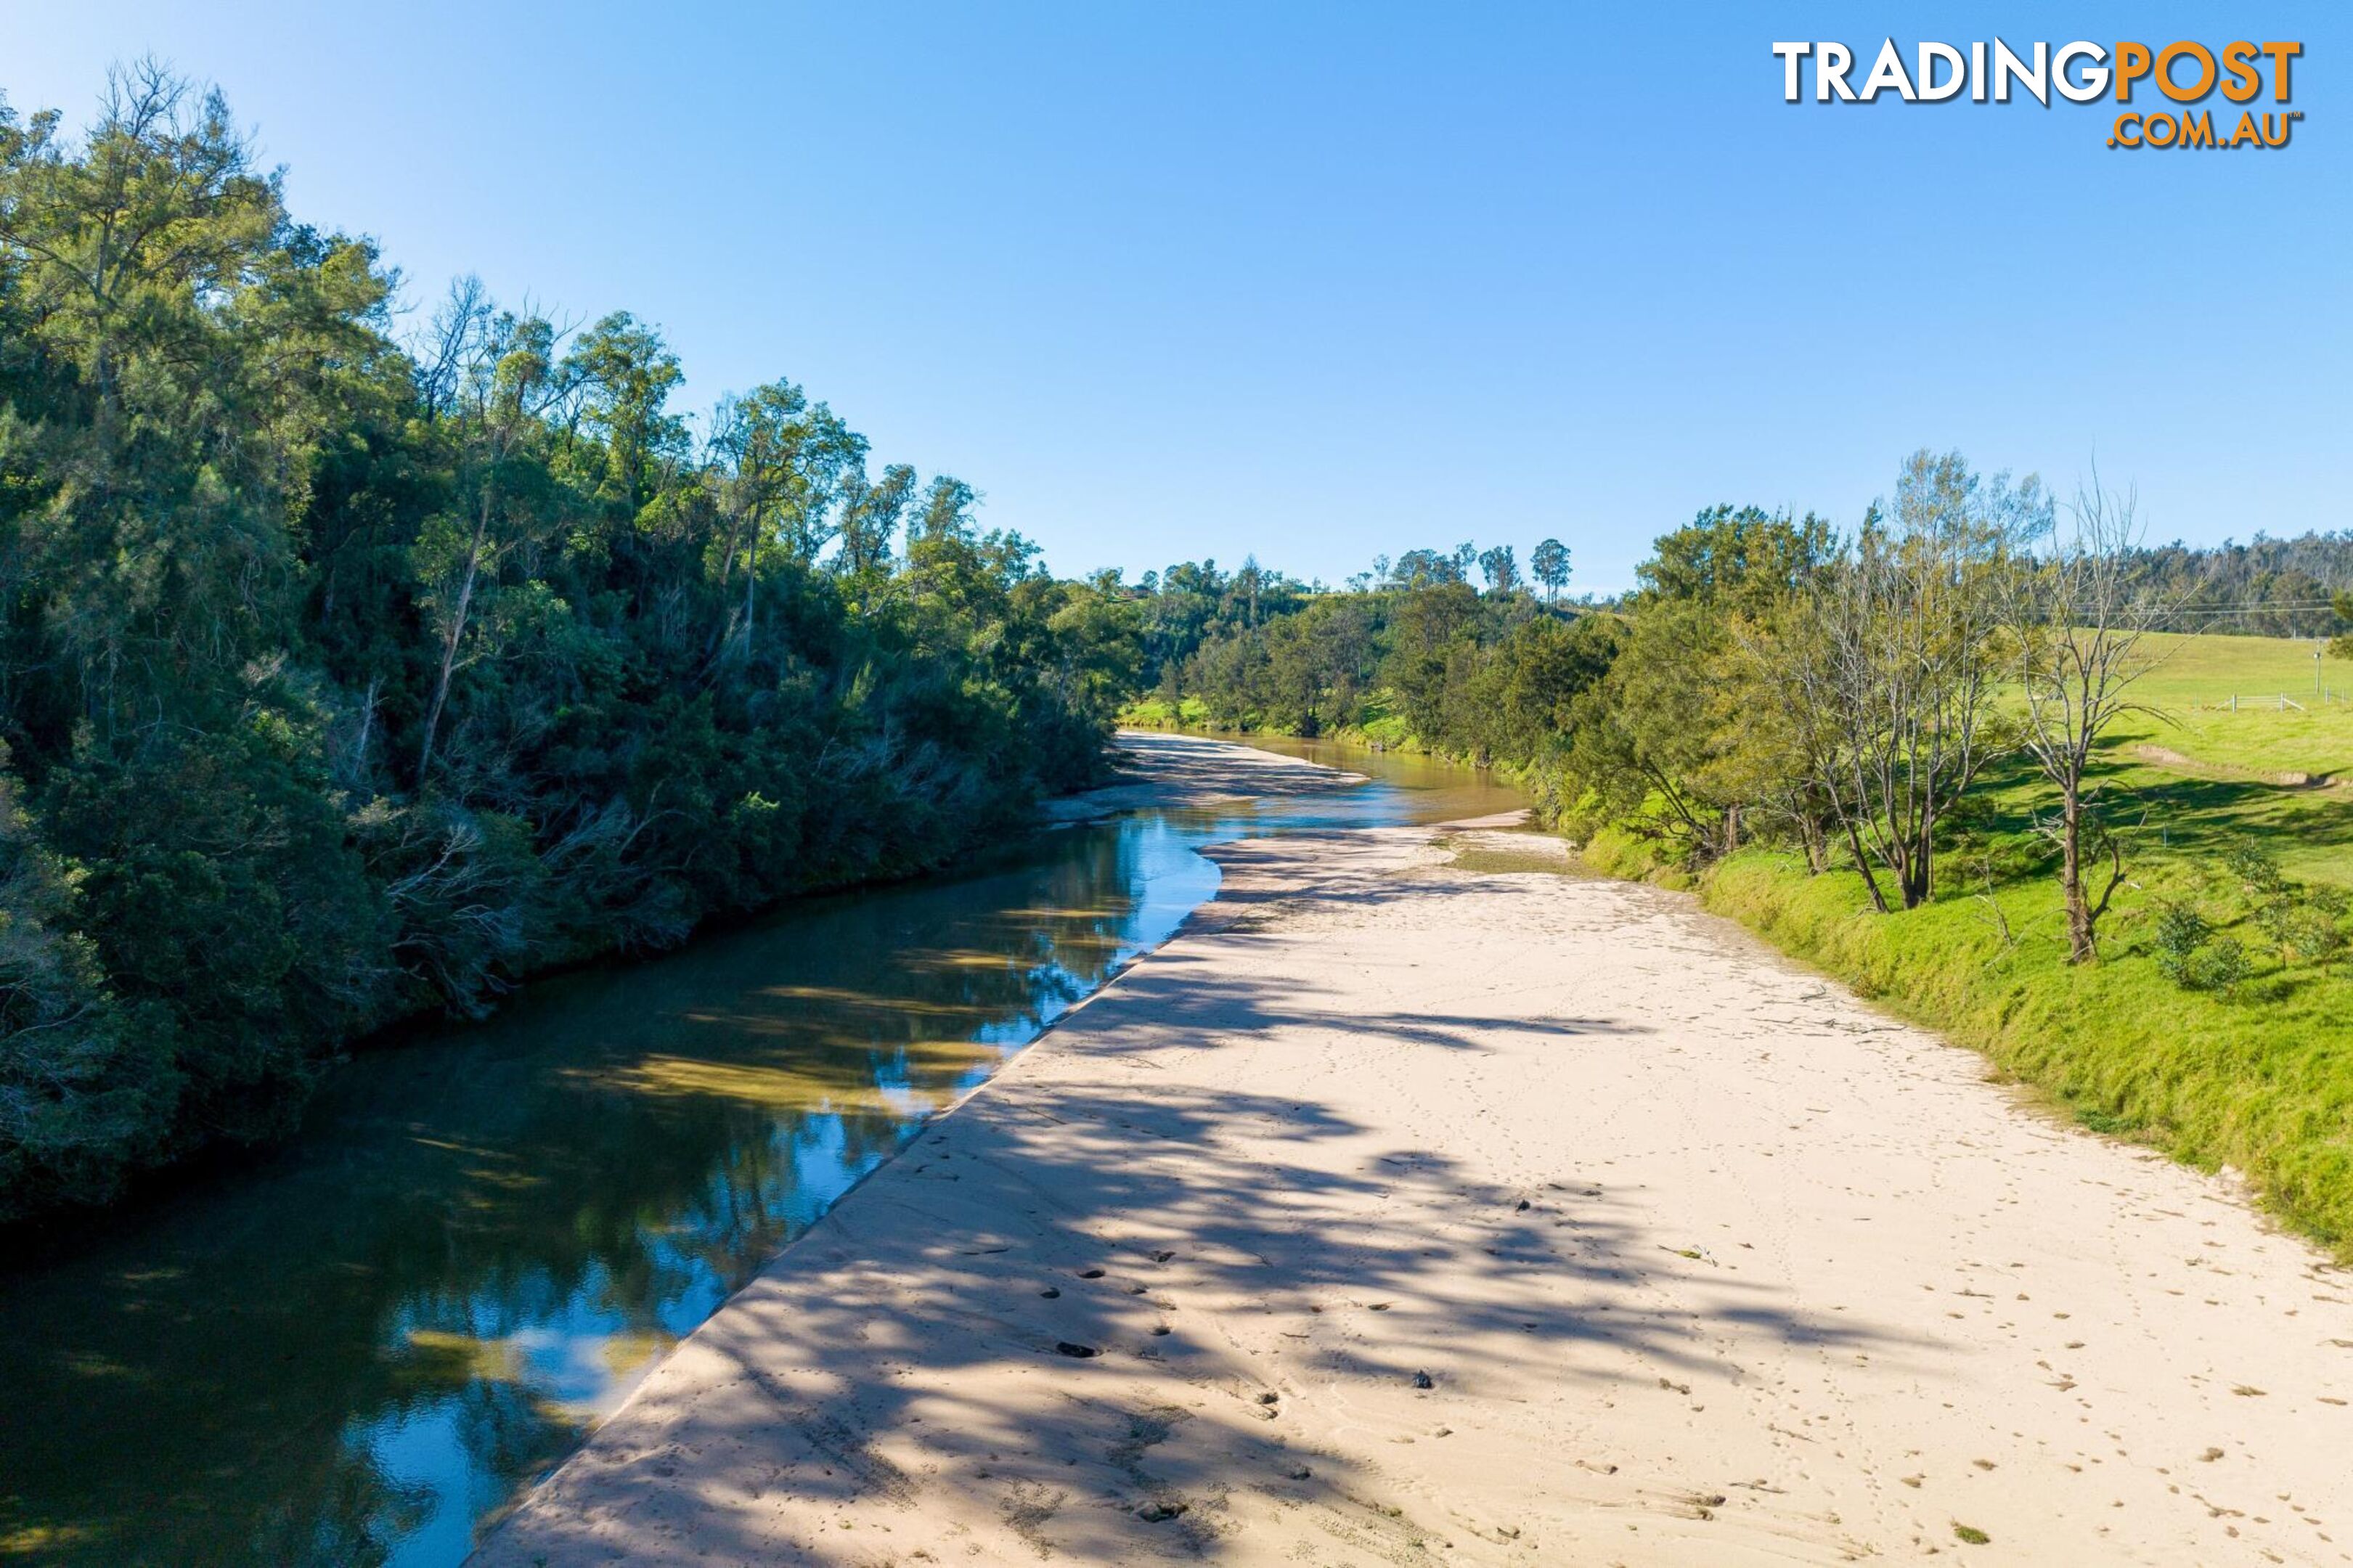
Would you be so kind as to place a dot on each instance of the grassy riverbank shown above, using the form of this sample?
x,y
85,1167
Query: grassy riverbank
x,y
2255,1073
1380,725
2259,1077
2240,761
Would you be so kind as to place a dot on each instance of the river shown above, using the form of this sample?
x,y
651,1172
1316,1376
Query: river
x,y
355,1350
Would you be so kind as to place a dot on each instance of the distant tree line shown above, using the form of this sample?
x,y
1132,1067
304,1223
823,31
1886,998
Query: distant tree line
x,y
2268,587
344,676
1414,641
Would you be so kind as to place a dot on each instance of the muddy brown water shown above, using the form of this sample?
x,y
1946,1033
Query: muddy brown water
x,y
360,1349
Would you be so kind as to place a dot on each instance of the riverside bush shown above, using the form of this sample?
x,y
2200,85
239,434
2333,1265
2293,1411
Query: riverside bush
x,y
349,675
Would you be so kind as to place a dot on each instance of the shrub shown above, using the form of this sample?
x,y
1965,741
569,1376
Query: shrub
x,y
2220,967
2190,954
2254,868
2181,931
2303,927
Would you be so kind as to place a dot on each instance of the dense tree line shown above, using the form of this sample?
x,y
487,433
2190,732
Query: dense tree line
x,y
2269,587
343,676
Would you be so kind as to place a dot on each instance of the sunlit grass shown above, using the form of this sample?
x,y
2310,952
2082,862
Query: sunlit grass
x,y
1157,713
2260,1078
2193,680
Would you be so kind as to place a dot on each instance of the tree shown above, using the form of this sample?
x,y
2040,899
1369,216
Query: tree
x,y
1501,570
870,516
1906,662
1425,627
1426,568
153,446
1661,730
84,1084
1738,558
2077,625
783,464
1524,697
512,381
1645,739
342,679
1550,563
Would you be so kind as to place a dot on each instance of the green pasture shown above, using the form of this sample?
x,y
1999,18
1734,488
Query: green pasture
x,y
2261,705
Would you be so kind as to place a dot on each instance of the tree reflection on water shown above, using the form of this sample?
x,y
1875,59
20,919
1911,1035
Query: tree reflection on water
x,y
358,1349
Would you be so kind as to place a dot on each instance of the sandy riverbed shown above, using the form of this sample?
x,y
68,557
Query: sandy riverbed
x,y
1403,1213
1178,771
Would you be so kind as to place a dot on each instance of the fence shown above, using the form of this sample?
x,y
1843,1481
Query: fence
x,y
2281,702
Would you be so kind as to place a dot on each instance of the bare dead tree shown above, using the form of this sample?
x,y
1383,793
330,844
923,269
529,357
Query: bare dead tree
x,y
2078,624
452,338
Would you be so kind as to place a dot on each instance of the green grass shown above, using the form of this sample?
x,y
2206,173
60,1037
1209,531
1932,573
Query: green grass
x,y
2194,678
1155,714
1382,726
2259,1078
1379,727
2203,773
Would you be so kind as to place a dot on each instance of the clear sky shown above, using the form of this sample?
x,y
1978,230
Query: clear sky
x,y
1323,281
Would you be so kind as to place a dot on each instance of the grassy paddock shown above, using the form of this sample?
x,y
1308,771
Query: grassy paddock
x,y
1155,713
1380,728
2191,685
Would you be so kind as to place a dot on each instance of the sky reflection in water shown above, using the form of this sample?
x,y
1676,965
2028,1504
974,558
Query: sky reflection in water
x,y
355,1350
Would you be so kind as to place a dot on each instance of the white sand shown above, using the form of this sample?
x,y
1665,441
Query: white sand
x,y
1705,1263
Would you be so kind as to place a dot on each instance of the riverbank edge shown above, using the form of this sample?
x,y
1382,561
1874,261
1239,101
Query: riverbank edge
x,y
2181,1073
44,1235
1207,916
2199,1077
1236,901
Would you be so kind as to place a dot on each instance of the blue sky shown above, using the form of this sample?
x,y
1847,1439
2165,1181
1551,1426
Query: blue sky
x,y
1325,281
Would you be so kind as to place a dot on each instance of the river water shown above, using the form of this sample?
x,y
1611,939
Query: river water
x,y
355,1350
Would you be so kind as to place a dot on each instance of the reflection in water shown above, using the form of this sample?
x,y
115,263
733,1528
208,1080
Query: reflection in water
x,y
353,1352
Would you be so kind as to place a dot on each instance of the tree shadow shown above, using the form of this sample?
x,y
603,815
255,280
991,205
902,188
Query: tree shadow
x,y
1021,1318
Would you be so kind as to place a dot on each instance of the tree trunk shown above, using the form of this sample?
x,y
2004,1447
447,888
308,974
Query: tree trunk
x,y
2080,947
1818,858
450,647
1862,864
